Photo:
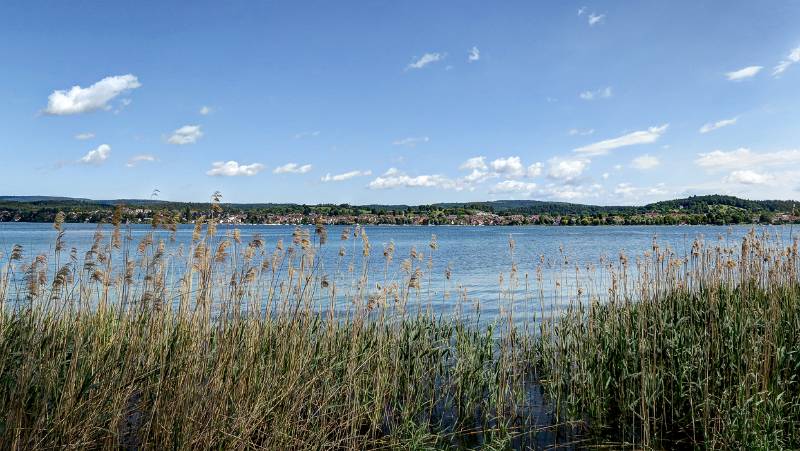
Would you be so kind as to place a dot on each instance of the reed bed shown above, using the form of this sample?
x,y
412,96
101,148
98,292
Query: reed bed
x,y
237,343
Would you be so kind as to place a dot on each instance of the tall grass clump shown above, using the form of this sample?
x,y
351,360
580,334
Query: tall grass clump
x,y
702,350
226,343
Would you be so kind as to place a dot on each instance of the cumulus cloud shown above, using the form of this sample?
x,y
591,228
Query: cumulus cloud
x,y
748,177
566,170
639,137
743,158
424,60
711,126
570,192
474,163
509,167
394,178
142,158
411,141
233,169
84,136
292,168
83,100
344,176
535,169
603,93
645,162
792,58
744,73
205,110
97,156
513,186
474,55
188,134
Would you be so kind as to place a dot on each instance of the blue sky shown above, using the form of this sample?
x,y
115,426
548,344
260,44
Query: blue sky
x,y
401,101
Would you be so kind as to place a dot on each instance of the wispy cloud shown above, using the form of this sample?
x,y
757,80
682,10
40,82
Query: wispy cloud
x,y
234,169
579,132
97,156
142,158
645,162
792,58
205,110
309,134
411,141
744,158
345,176
425,60
474,55
83,100
595,19
602,93
188,134
744,73
84,136
639,137
292,168
711,126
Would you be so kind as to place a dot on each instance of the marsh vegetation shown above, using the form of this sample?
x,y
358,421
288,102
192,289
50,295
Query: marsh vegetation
x,y
238,343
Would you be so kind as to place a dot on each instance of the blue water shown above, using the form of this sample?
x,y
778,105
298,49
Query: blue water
x,y
476,256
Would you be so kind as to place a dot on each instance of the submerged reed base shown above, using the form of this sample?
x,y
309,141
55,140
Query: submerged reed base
x,y
223,344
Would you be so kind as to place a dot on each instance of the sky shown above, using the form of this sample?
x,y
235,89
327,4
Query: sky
x,y
601,102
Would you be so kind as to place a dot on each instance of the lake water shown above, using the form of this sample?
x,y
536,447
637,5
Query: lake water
x,y
477,256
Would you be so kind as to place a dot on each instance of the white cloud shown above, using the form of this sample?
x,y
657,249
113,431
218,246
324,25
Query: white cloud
x,y
596,18
233,169
645,162
474,163
188,134
344,176
474,55
98,155
83,100
581,10
792,58
711,126
639,137
393,178
627,190
748,177
744,73
205,110
745,158
84,136
135,160
535,169
292,168
571,192
567,170
411,141
606,175
513,186
603,93
306,134
579,132
426,59
509,167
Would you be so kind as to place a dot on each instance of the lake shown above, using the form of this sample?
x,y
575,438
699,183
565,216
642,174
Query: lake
x,y
476,256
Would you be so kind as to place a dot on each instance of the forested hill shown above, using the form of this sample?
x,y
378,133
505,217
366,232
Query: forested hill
x,y
715,209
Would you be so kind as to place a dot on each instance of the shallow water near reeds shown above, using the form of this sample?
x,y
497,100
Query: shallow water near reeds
x,y
553,261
